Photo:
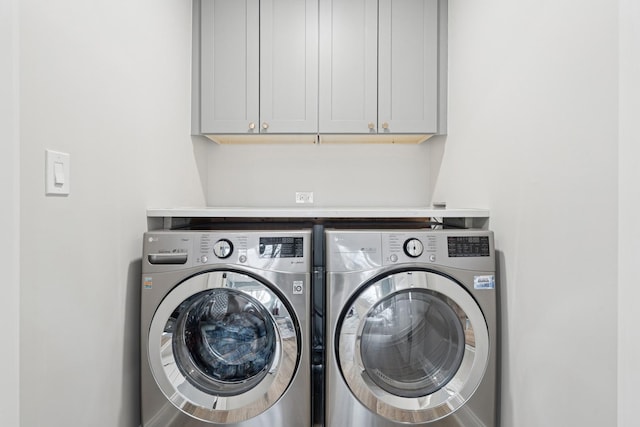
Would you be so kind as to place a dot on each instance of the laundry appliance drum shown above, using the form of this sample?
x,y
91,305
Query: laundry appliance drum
x,y
223,346
412,346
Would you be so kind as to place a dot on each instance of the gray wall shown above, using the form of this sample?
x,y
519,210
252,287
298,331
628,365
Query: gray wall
x,y
629,206
533,134
107,81
9,212
338,174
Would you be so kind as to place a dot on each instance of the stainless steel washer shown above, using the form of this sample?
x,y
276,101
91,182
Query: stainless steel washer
x,y
411,328
224,329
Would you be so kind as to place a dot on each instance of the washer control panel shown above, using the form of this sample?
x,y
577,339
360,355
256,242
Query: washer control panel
x,y
288,251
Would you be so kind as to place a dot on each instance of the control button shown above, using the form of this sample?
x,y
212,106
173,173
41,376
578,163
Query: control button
x,y
432,258
204,258
243,258
222,248
413,247
393,258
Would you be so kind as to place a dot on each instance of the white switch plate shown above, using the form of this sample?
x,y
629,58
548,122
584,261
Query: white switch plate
x,y
57,179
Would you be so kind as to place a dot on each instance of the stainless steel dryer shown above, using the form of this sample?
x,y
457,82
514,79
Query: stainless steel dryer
x,y
411,328
224,329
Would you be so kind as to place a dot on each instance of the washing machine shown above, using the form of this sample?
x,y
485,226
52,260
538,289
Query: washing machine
x,y
411,328
224,329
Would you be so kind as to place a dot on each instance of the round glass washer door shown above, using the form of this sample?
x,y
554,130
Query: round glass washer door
x,y
223,347
412,346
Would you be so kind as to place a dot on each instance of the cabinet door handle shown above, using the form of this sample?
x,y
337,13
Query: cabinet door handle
x,y
252,126
371,125
265,125
385,125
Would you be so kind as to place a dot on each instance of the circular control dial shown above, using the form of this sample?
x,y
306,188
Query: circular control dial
x,y
413,248
222,248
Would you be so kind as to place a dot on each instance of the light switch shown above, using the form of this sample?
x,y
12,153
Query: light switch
x,y
57,173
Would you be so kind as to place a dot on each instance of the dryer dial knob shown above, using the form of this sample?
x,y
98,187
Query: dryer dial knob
x,y
222,248
413,248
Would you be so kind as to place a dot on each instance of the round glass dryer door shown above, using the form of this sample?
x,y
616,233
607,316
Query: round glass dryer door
x,y
412,346
223,347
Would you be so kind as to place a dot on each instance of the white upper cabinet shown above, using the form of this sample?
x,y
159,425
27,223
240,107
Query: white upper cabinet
x,y
258,66
328,67
229,66
289,66
380,66
408,66
348,66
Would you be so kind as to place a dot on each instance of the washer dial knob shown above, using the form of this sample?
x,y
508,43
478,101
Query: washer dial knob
x,y
413,248
222,248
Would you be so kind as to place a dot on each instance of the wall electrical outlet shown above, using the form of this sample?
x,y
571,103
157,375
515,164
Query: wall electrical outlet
x,y
304,196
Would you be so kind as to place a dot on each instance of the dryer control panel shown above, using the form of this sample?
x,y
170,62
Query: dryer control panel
x,y
466,249
357,250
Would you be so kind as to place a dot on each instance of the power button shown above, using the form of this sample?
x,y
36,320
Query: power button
x,y
432,258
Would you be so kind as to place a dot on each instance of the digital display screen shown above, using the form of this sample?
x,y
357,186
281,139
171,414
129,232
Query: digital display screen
x,y
281,247
468,246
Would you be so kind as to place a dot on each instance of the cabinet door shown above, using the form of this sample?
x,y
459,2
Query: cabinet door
x,y
348,66
229,66
408,66
289,66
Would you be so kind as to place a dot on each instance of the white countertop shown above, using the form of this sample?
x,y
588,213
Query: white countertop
x,y
318,212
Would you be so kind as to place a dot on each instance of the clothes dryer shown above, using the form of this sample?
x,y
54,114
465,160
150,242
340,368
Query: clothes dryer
x,y
224,329
411,328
